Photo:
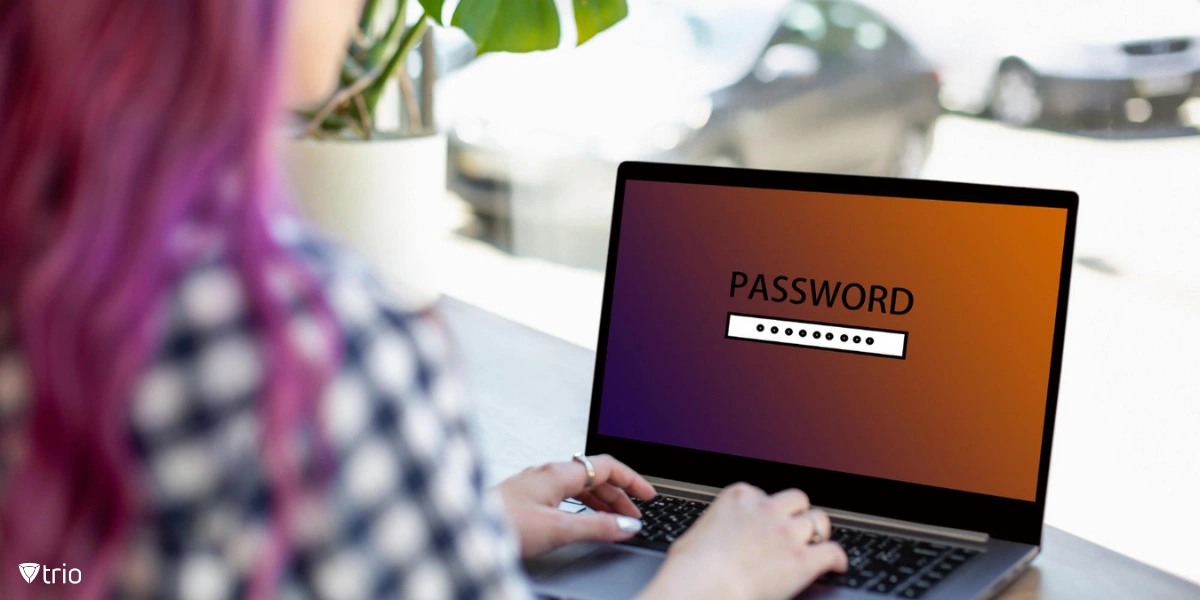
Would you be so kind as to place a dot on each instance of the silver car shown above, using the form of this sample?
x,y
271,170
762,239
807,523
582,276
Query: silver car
x,y
1032,61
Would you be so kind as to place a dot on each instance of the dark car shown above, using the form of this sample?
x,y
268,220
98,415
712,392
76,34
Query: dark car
x,y
835,89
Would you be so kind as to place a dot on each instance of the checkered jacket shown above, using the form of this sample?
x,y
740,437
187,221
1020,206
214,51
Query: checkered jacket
x,y
404,513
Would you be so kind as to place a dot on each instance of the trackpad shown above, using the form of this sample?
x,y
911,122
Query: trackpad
x,y
594,571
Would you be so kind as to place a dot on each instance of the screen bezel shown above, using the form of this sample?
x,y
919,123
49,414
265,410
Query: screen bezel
x,y
1002,518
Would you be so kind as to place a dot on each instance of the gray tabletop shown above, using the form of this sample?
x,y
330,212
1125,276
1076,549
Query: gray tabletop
x,y
531,391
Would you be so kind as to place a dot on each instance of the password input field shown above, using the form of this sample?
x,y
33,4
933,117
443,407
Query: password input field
x,y
821,336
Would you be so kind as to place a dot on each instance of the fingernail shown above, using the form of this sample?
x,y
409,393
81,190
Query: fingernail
x,y
628,524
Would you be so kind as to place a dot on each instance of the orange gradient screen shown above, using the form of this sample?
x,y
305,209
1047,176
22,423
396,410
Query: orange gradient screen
x,y
971,287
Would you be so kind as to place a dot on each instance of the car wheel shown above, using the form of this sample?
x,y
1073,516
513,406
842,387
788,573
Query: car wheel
x,y
1016,96
911,151
1166,110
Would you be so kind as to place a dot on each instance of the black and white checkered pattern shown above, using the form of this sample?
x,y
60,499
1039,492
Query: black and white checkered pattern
x,y
405,513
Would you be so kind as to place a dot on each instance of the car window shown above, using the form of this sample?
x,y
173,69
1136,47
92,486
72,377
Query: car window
x,y
805,23
837,30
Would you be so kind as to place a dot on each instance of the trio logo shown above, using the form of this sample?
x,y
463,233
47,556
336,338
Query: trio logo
x,y
29,571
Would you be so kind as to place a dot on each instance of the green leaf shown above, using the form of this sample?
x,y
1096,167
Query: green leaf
x,y
509,25
433,8
594,16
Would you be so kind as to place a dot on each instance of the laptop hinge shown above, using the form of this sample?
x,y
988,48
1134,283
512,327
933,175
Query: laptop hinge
x,y
965,535
704,492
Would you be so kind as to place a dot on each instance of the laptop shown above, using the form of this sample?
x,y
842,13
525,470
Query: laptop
x,y
891,347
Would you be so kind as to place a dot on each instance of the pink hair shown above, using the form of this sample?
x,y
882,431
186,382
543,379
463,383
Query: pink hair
x,y
121,123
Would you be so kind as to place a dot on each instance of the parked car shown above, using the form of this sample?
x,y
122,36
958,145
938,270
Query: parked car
x,y
835,88
1032,61
816,85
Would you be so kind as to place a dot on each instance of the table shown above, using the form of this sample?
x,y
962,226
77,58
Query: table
x,y
531,391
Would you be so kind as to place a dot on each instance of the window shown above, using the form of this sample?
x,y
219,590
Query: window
x,y
1096,98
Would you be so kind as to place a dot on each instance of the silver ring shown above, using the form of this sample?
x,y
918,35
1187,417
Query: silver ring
x,y
817,536
587,464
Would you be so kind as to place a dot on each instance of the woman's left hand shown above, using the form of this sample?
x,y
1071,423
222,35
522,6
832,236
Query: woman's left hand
x,y
531,498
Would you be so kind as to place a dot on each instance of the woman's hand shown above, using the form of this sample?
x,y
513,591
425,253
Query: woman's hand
x,y
749,546
531,498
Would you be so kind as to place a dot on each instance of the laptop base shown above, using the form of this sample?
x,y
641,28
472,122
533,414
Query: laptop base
x,y
601,571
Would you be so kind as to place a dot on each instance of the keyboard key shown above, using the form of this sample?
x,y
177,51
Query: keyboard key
x,y
883,587
570,507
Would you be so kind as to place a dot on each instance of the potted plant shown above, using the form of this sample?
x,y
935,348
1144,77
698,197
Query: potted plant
x,y
366,167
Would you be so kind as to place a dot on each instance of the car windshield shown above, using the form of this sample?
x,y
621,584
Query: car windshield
x,y
729,36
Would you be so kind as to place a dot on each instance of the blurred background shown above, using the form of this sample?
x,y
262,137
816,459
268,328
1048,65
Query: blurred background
x,y
1095,96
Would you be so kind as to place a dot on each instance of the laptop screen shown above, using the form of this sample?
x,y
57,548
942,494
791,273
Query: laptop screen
x,y
898,338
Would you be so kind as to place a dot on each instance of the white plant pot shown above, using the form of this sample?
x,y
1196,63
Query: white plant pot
x,y
382,198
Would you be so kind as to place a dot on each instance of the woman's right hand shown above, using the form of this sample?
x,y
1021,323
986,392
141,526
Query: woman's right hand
x,y
749,546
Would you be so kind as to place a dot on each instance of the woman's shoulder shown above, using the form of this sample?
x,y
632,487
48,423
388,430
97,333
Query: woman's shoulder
x,y
361,300
388,338
197,408
403,511
336,267
211,296
205,380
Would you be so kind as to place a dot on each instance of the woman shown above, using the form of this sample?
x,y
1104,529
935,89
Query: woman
x,y
201,398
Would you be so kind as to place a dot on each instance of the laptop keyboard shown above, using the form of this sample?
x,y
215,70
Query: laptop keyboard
x,y
894,565
879,563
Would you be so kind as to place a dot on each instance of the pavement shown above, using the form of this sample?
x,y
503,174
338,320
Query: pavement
x,y
1126,460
